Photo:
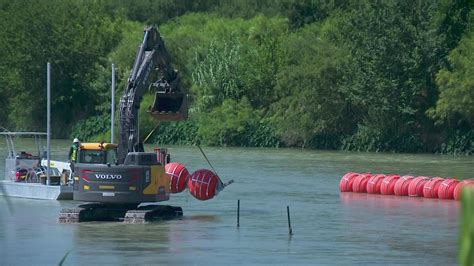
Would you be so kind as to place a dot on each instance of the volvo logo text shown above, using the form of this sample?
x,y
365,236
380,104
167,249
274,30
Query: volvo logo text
x,y
108,176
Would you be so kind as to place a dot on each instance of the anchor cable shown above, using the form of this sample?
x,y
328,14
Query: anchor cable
x,y
221,184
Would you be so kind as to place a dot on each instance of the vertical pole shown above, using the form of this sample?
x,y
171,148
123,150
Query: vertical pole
x,y
48,136
112,108
138,128
238,213
289,220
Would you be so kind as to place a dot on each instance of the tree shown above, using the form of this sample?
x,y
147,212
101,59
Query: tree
x,y
313,105
301,13
456,83
74,38
395,52
231,59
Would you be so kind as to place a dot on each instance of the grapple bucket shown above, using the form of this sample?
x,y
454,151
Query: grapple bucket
x,y
169,106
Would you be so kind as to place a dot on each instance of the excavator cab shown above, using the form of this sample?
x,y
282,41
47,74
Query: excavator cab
x,y
169,106
97,153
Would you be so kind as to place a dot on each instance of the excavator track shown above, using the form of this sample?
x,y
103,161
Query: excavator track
x,y
91,212
128,213
155,213
67,216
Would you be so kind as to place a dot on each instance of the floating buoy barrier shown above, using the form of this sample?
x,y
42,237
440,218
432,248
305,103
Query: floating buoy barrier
x,y
345,185
204,184
460,186
402,184
388,185
420,186
446,189
374,184
360,183
415,189
430,190
178,176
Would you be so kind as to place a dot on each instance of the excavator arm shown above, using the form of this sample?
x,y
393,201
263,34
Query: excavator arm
x,y
151,71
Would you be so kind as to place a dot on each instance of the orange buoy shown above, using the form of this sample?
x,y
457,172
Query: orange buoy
x,y
178,176
446,189
460,185
345,185
401,186
360,183
374,183
415,189
388,184
430,190
204,184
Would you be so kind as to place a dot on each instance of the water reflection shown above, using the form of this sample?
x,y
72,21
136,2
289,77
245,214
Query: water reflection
x,y
118,243
402,226
201,218
395,205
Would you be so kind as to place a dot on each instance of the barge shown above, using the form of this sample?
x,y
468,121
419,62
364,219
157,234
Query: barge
x,y
26,172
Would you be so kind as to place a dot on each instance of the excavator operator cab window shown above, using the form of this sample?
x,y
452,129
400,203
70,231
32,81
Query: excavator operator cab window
x,y
94,157
102,156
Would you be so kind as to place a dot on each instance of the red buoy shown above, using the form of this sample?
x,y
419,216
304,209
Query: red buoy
x,y
401,186
430,190
374,183
415,189
204,184
345,185
178,176
446,189
460,185
388,184
360,183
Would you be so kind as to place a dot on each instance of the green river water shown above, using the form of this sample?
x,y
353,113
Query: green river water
x,y
329,227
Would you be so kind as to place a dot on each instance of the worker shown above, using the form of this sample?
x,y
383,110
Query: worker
x,y
72,158
74,150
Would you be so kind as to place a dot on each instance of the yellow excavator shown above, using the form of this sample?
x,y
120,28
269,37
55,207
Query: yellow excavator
x,y
116,178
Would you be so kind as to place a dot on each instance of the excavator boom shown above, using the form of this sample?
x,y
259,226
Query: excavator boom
x,y
151,71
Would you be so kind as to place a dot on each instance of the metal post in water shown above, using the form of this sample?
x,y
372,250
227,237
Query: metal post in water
x,y
289,220
48,126
238,213
112,108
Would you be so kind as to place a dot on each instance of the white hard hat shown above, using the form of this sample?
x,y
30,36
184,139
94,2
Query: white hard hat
x,y
75,140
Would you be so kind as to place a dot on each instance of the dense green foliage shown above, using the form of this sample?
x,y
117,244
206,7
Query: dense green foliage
x,y
456,100
75,37
353,75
